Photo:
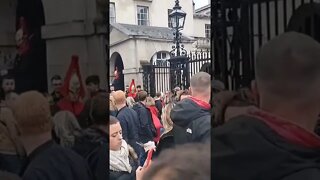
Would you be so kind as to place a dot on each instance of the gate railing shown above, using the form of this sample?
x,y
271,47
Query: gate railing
x,y
167,74
240,28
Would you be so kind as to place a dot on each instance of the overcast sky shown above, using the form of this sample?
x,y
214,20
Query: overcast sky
x,y
200,3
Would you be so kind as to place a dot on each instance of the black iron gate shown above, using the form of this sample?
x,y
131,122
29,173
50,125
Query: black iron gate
x,y
241,27
164,75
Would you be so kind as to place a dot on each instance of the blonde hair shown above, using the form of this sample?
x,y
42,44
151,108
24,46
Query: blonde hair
x,y
130,101
119,97
150,102
10,143
112,105
165,117
65,127
32,113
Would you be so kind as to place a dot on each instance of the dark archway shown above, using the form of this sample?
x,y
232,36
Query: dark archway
x,y
30,68
306,19
117,66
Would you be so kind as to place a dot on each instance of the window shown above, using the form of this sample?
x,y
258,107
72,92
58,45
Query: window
x,y
143,15
207,31
169,22
161,58
112,13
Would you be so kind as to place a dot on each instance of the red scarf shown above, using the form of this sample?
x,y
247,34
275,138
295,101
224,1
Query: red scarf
x,y
288,130
201,103
156,122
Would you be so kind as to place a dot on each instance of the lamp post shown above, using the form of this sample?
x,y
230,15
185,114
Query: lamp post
x,y
177,18
179,75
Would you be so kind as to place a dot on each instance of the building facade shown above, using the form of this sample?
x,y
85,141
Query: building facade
x,y
55,30
140,34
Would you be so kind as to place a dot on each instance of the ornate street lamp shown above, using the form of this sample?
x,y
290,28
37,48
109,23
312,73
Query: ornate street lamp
x,y
177,18
179,74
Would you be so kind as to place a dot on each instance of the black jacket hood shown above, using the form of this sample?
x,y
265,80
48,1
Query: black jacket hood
x,y
186,111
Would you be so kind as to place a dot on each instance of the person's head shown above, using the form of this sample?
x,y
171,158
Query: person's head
x,y
98,110
139,88
200,86
182,94
174,164
32,112
112,88
93,83
217,86
165,117
8,83
158,94
112,104
288,74
150,102
115,134
130,101
56,82
9,134
65,126
142,96
176,89
11,98
119,99
228,104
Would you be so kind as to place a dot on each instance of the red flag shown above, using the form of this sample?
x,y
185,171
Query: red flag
x,y
132,89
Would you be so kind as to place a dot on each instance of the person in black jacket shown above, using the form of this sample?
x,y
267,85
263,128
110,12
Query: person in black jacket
x,y
146,128
46,160
191,116
129,120
276,140
92,143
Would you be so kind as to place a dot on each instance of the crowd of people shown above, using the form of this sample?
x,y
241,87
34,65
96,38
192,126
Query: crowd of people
x,y
61,135
158,130
269,130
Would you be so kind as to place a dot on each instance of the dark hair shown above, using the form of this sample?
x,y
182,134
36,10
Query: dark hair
x,y
181,93
113,120
139,86
56,77
175,163
158,94
99,109
93,79
142,95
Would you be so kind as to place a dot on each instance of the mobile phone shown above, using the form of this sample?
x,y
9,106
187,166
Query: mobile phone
x,y
149,157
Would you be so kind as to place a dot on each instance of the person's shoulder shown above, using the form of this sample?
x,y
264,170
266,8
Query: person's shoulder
x,y
309,174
